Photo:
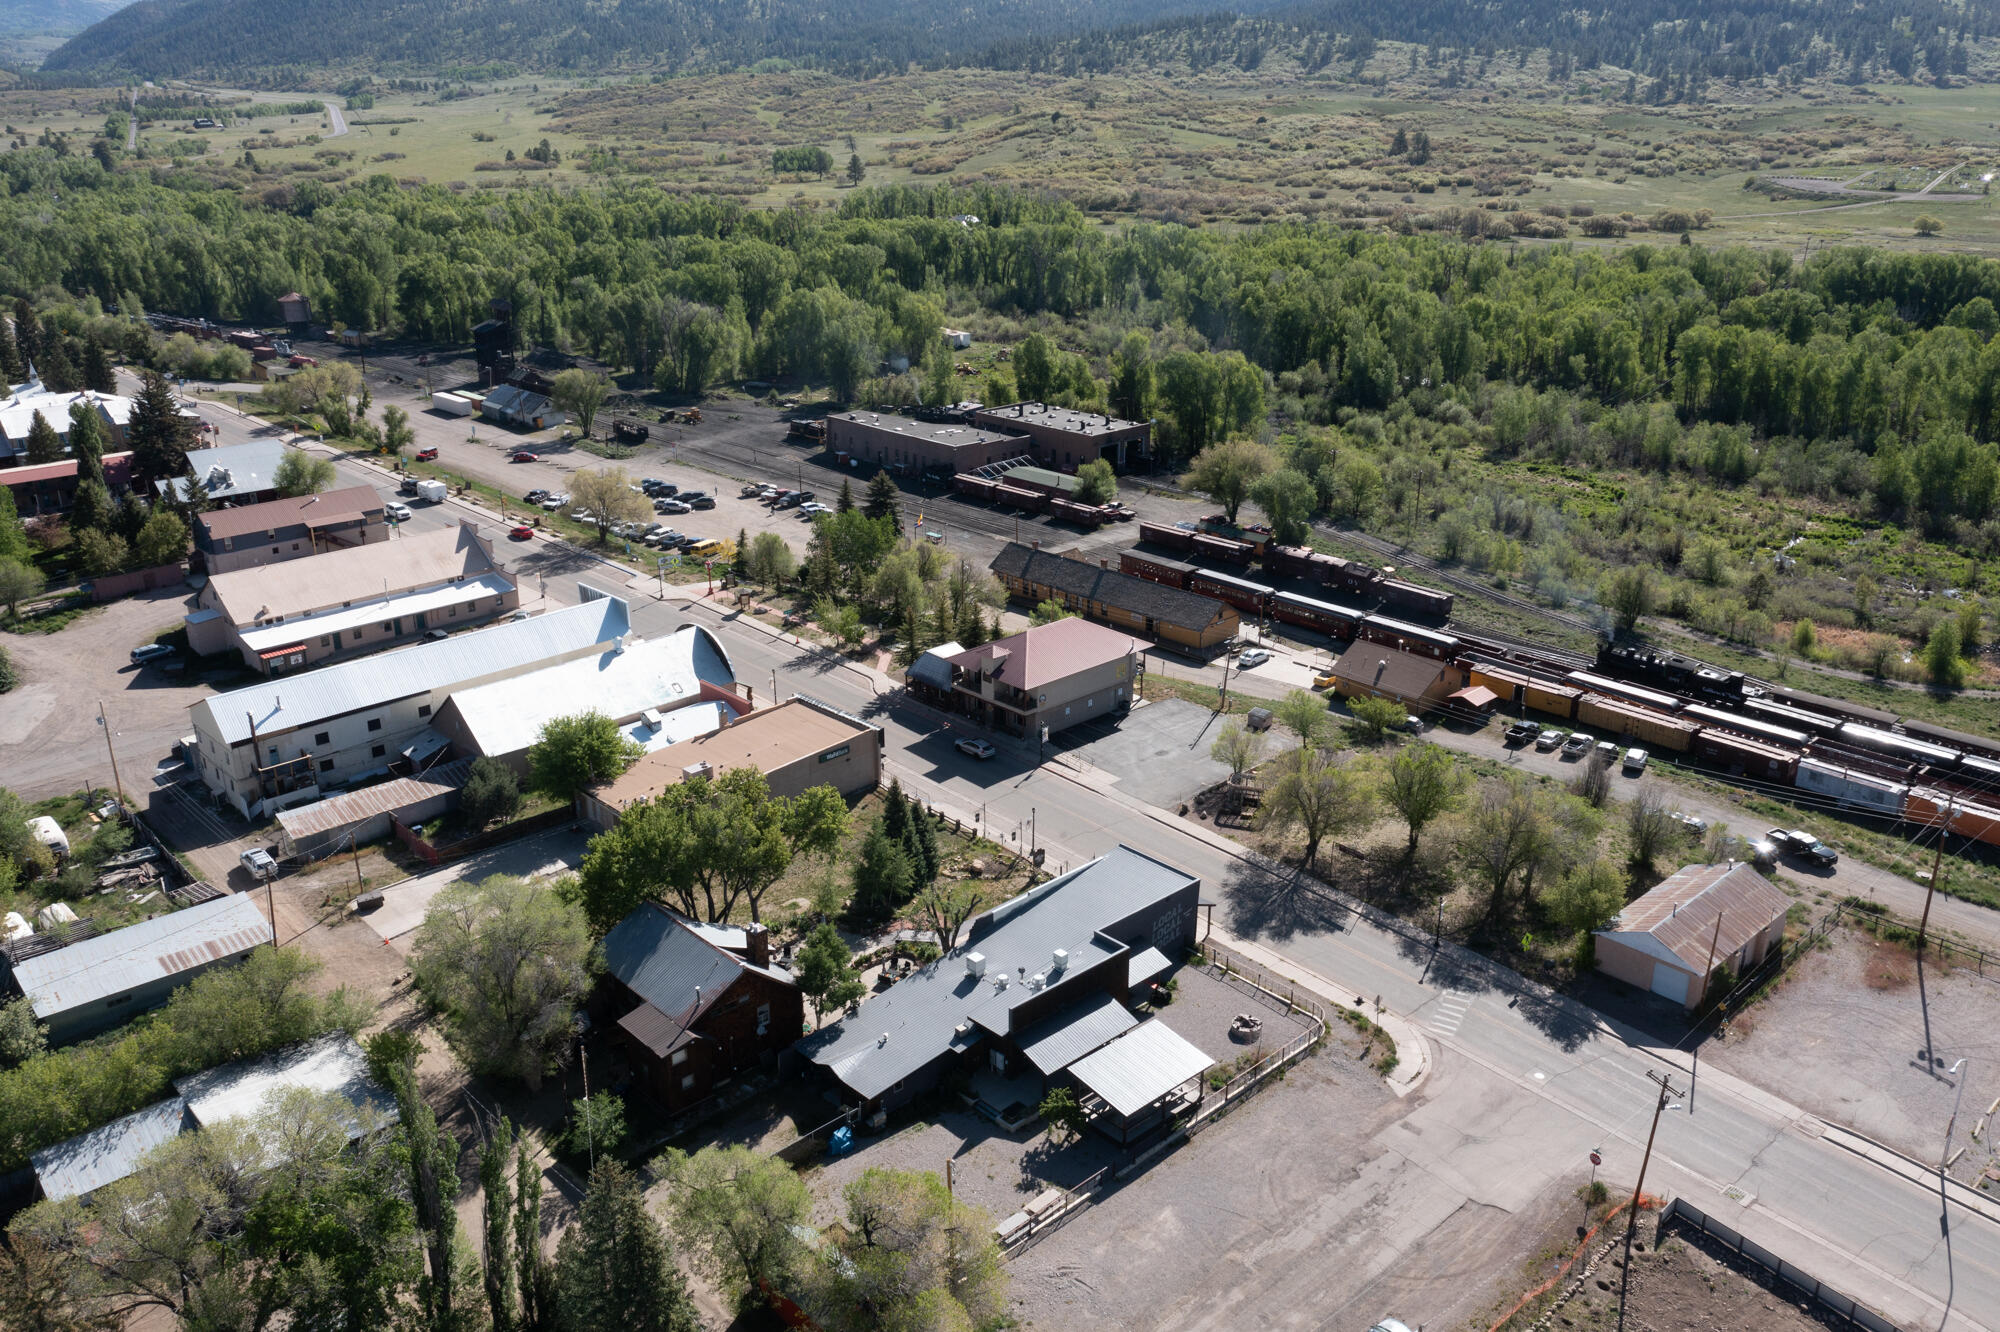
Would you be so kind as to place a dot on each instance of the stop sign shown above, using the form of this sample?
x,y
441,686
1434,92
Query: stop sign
x,y
1596,1160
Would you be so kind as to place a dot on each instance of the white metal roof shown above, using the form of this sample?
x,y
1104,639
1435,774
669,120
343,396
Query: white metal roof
x,y
17,410
293,701
299,628
232,469
123,960
1144,965
108,1153
350,576
1068,1037
506,716
1140,1067
331,1063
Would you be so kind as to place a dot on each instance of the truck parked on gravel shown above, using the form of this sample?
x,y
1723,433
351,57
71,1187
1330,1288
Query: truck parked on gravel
x,y
1804,845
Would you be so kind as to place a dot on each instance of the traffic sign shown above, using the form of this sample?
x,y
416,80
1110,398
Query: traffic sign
x,y
1596,1160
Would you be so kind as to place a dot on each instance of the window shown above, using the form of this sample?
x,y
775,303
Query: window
x,y
687,1083
324,737
471,606
680,1057
388,628
374,723
378,751
117,999
274,753
763,1019
326,765
454,612
323,640
424,710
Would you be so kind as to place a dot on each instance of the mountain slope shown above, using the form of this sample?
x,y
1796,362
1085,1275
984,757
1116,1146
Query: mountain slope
x,y
177,38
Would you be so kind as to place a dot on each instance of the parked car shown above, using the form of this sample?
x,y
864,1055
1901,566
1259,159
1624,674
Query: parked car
x,y
1252,657
1798,842
1521,732
409,486
807,497
701,502
979,749
554,502
813,510
1550,739
1694,823
1635,761
691,495
1606,751
750,490
791,499
522,455
397,513
151,652
535,496
671,506
1324,681
261,864
427,455
522,532
1577,745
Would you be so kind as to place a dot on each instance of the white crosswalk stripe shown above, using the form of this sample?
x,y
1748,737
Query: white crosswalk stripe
x,y
1451,1010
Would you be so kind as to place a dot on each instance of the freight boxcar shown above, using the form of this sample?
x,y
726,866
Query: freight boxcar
x,y
1769,732
1657,730
1511,686
1969,819
1166,534
1241,593
1083,515
1740,756
1291,562
1406,637
973,486
1310,613
1630,693
1554,699
1014,497
1155,568
1886,766
1410,597
1851,788
1223,550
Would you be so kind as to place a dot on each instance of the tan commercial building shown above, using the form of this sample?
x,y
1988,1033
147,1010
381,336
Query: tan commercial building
x,y
904,444
1067,437
288,529
343,603
1674,940
798,744
1055,675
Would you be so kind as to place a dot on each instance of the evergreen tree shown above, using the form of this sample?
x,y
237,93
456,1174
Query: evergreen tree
x,y
58,371
497,1214
86,442
845,504
881,875
10,357
97,372
920,846
615,1270
44,444
895,811
156,433
27,331
536,1279
884,498
13,536
432,1157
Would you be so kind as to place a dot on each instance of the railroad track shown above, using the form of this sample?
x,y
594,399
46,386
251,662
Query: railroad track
x,y
1409,559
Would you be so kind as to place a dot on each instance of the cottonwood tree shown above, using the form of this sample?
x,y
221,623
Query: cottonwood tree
x,y
580,393
614,1269
1423,782
1375,717
1585,897
302,473
1227,472
946,908
1314,795
913,1258
735,1214
41,1288
1096,482
506,961
1518,832
1648,826
1237,746
606,495
19,582
397,432
1288,499
1628,595
577,752
1304,713
825,972
163,540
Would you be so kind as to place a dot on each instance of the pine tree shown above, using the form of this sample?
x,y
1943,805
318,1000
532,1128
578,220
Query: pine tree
x,y
845,504
10,357
497,1213
58,371
44,444
921,847
27,331
86,442
881,875
97,372
895,811
156,434
884,498
615,1270
13,536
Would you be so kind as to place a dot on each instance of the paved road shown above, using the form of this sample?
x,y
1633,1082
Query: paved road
x,y
1553,1075
336,121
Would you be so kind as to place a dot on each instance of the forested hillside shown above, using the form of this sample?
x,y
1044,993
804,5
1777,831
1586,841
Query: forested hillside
x,y
173,38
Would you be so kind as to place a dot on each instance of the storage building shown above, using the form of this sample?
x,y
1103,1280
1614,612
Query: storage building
x,y
903,443
1065,438
1674,939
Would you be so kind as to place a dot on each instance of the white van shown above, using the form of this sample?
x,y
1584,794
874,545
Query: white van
x,y
50,834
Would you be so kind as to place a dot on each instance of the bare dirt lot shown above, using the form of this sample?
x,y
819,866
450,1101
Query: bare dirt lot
x,y
1842,1036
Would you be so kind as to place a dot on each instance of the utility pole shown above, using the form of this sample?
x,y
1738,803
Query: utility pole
x,y
117,785
1937,868
1632,1221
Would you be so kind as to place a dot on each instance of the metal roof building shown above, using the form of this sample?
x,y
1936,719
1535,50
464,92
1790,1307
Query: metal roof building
x,y
239,473
330,1065
1049,954
107,1154
103,981
325,826
1135,1073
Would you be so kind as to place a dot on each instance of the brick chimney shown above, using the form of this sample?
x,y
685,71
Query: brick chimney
x,y
757,945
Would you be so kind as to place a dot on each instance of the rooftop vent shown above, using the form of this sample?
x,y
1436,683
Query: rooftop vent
x,y
882,1040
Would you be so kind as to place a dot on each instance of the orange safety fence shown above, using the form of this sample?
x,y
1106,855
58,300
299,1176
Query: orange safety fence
x,y
1645,1201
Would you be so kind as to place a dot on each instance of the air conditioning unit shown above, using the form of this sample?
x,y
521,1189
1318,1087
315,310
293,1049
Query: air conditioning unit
x,y
975,964
1060,961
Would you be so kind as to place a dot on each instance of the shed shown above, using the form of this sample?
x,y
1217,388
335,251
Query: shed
x,y
1676,938
356,818
76,1167
331,1065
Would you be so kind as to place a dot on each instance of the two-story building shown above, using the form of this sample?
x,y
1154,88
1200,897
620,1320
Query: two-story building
x,y
346,602
283,742
695,1005
24,402
1056,675
230,473
288,529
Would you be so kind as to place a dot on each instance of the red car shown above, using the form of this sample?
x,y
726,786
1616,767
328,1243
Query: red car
x,y
523,533
427,455
522,455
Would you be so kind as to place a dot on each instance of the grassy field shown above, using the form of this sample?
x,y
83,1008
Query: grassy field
x,y
1219,145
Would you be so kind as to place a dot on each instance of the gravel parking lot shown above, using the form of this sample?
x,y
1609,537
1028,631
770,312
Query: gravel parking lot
x,y
1159,752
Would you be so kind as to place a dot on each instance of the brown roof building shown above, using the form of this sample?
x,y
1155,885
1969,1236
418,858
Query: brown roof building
x,y
905,444
1674,940
288,529
1370,670
797,744
1055,675
1121,600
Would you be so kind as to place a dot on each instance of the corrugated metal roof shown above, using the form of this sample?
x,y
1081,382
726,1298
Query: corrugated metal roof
x,y
125,959
400,603
109,1153
1140,1067
293,701
1126,592
1069,1036
250,468
354,806
922,1015
1144,965
672,968
654,1030
507,715
934,666
1680,913
332,1063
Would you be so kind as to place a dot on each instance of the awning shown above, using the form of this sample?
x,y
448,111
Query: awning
x,y
934,667
1068,1037
1140,1067
1144,965
275,653
425,745
1476,696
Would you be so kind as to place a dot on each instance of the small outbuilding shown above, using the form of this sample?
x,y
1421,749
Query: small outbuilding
x,y
1676,939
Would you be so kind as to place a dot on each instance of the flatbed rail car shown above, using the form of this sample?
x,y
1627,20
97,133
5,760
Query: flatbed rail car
x,y
1311,613
1242,593
1155,568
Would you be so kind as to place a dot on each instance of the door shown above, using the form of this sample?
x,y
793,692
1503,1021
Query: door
x,y
336,640
1670,983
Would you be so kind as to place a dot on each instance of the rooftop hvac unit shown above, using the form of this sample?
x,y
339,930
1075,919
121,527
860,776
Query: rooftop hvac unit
x,y
975,964
1061,960
694,770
